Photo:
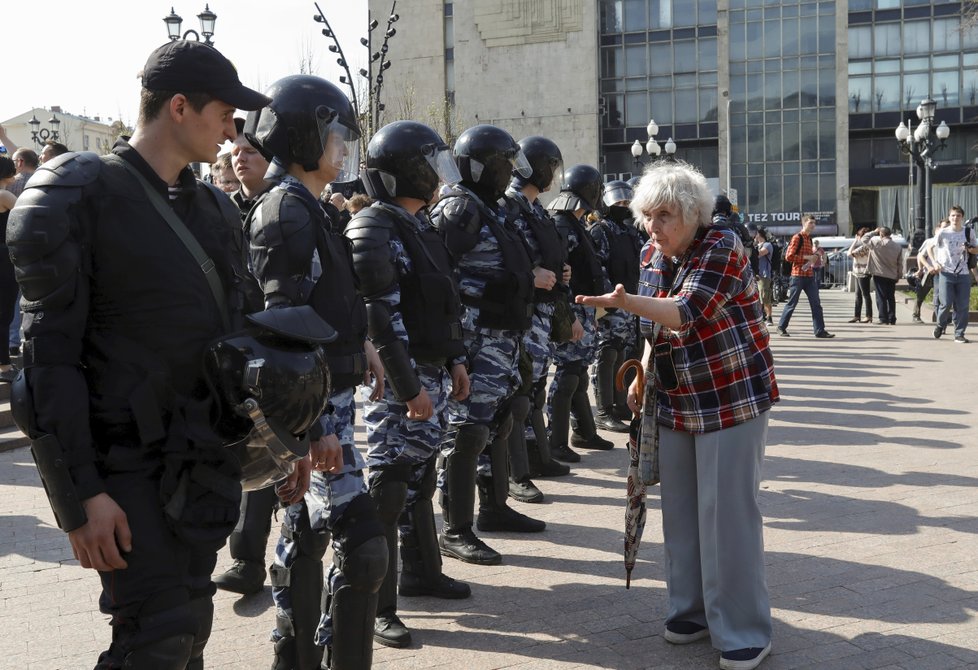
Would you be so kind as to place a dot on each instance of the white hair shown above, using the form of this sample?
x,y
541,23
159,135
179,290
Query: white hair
x,y
676,184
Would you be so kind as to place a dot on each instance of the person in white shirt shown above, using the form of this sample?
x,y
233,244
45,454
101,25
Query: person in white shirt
x,y
951,248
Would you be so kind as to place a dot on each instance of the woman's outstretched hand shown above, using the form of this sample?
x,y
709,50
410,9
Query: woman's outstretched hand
x,y
615,299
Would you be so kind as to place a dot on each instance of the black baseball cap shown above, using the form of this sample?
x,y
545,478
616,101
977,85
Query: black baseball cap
x,y
188,66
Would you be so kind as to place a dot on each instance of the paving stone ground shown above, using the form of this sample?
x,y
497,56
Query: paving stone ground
x,y
869,499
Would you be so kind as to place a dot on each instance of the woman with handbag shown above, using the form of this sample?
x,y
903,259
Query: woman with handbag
x,y
708,391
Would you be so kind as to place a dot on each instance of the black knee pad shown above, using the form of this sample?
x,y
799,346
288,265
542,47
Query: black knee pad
x,y
359,523
158,634
429,481
388,489
366,565
309,543
471,439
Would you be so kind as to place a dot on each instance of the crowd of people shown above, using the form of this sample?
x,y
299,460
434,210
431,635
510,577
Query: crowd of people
x,y
421,288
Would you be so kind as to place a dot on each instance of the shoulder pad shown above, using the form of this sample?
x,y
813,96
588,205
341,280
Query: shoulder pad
x,y
565,202
369,233
296,323
370,217
278,218
70,169
458,212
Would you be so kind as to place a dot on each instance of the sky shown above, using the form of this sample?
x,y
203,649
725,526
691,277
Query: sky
x,y
84,55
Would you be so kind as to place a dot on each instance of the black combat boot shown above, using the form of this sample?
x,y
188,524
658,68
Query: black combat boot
x,y
494,513
604,391
585,434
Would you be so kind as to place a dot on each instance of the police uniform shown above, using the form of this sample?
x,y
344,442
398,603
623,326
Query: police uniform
x,y
547,250
618,247
287,229
413,314
568,389
496,287
118,316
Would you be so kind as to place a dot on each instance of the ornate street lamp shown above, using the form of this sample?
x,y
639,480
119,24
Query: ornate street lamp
x,y
921,144
670,150
652,147
42,135
207,20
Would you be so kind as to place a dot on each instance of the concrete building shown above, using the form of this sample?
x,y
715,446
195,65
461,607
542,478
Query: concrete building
x,y
791,103
78,133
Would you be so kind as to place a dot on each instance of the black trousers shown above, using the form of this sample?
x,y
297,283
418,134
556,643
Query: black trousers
x,y
885,298
8,300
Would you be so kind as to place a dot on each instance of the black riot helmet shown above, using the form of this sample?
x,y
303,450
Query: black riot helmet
x,y
271,382
616,191
408,159
545,160
581,189
487,156
308,116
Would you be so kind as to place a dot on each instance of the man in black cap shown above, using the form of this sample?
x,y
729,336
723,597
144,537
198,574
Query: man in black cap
x,y
118,315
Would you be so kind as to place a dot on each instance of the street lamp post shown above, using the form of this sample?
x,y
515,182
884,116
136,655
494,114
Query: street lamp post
x,y
651,147
921,144
207,20
42,135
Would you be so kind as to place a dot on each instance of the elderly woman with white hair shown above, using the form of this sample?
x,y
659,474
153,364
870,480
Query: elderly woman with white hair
x,y
708,391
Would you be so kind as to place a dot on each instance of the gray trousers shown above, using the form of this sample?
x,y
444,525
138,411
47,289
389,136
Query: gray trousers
x,y
713,532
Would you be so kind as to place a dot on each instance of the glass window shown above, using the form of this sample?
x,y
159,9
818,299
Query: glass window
x,y
789,141
826,88
616,104
661,108
707,54
791,193
947,33
826,139
916,37
635,62
888,66
860,67
809,140
685,55
772,144
887,4
661,82
661,13
684,81
755,193
809,88
636,84
738,143
861,42
755,41
809,36
887,37
789,37
686,105
915,88
708,104
755,91
910,64
610,16
611,62
969,94
945,89
791,81
826,191
660,58
826,34
773,193
449,31
772,90
969,37
809,193
772,38
886,93
636,109
450,75
946,62
708,78
635,18
737,45
683,13
708,12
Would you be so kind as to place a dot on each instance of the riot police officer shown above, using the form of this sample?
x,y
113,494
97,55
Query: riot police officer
x,y
579,194
413,315
548,253
496,285
619,247
309,133
118,314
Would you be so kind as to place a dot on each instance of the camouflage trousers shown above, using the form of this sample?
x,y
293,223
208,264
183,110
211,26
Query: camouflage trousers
x,y
328,496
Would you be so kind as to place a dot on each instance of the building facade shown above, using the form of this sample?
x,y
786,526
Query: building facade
x,y
791,104
78,133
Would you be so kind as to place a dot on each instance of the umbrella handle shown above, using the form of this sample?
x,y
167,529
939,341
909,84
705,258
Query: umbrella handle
x,y
639,373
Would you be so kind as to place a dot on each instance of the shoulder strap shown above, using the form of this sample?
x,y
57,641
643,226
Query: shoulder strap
x,y
183,233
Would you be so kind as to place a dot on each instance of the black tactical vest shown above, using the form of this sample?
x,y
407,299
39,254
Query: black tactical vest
x,y
553,249
336,298
623,257
587,275
430,303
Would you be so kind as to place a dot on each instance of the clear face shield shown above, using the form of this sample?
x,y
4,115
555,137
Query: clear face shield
x,y
443,163
616,195
521,165
340,144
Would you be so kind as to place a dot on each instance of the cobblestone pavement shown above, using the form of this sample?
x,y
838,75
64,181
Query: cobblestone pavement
x,y
870,492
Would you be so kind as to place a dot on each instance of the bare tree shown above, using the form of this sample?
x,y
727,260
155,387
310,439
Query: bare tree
x,y
909,91
856,99
880,97
308,63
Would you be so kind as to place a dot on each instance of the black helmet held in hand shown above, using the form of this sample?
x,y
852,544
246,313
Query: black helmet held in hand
x,y
308,116
272,384
581,190
545,160
487,156
407,159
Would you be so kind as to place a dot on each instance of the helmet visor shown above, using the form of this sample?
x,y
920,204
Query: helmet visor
x,y
617,194
521,165
340,144
443,163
